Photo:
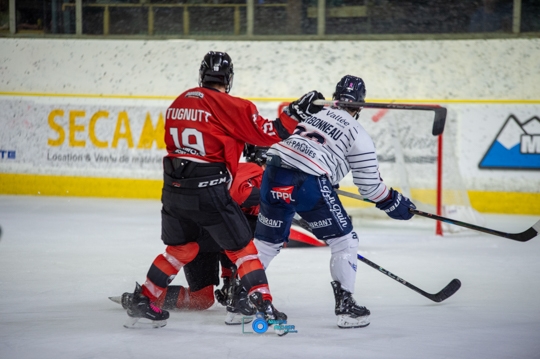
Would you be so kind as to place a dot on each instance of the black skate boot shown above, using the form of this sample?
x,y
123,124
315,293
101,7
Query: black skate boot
x,y
223,294
350,315
140,307
127,299
266,307
239,308
267,311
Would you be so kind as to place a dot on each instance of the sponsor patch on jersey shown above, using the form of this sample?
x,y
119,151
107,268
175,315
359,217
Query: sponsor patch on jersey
x,y
274,223
321,224
195,94
284,193
335,207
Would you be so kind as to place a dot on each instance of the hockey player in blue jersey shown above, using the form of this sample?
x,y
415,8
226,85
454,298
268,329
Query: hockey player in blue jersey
x,y
301,176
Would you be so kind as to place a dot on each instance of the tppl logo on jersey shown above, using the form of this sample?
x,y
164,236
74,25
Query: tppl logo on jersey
x,y
284,193
516,146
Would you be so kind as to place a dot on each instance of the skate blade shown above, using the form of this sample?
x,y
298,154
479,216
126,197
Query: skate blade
x,y
237,319
117,299
347,322
142,323
280,332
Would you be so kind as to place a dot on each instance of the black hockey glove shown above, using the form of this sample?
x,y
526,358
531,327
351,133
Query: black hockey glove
x,y
223,294
303,108
396,206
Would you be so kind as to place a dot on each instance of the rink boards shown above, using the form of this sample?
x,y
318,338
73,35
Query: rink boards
x,y
102,146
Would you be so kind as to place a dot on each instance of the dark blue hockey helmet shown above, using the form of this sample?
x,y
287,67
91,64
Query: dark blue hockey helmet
x,y
350,89
255,154
217,67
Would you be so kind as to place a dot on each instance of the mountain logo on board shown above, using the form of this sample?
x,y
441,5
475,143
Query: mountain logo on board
x,y
517,146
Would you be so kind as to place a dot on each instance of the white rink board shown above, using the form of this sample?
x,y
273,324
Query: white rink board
x,y
100,137
139,78
404,69
86,137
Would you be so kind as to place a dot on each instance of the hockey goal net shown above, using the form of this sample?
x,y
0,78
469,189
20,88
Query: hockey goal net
x,y
423,167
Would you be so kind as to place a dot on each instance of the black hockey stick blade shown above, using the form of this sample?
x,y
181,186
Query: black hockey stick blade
x,y
438,122
444,294
520,237
447,291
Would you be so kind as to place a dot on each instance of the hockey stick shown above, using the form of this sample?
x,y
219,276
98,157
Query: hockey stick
x,y
445,293
520,237
438,122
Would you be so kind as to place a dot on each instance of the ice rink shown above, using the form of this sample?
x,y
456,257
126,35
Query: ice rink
x,y
61,258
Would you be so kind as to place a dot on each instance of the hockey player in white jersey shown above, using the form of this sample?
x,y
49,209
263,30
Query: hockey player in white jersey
x,y
301,177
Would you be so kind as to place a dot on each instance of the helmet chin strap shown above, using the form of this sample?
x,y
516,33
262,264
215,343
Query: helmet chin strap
x,y
354,112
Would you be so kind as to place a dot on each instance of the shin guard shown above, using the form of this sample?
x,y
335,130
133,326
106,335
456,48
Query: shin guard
x,y
250,270
343,261
165,268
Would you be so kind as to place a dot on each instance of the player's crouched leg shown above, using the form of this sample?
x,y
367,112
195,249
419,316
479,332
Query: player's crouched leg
x,y
180,297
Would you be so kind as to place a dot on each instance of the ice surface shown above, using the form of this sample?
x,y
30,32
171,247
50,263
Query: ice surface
x,y
61,258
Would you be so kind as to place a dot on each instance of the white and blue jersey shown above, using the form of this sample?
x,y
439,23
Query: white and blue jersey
x,y
304,169
332,143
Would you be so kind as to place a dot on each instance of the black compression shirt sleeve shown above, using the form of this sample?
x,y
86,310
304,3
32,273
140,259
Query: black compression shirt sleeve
x,y
281,130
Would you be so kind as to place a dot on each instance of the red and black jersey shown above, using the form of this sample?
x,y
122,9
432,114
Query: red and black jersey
x,y
206,125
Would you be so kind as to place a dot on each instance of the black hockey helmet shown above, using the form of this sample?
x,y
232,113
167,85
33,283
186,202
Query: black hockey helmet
x,y
255,154
217,67
350,89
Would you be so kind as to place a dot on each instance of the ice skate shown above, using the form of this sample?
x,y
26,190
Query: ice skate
x,y
266,307
140,307
267,311
235,317
238,305
239,308
350,315
223,294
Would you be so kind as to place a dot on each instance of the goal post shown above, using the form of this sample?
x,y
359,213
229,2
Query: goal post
x,y
438,225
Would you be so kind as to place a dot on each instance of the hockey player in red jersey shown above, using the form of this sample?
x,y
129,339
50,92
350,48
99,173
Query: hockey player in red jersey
x,y
205,132
244,191
202,274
